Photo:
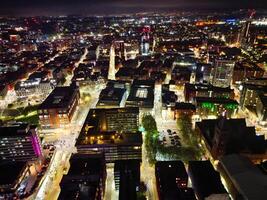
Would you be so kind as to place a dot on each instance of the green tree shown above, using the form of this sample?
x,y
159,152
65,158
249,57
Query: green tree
x,y
149,123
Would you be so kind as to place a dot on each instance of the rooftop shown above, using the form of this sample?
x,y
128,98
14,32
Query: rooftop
x,y
97,131
216,100
18,129
10,171
250,182
205,179
111,95
60,97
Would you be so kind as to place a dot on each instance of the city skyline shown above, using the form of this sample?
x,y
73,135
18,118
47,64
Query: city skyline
x,y
105,7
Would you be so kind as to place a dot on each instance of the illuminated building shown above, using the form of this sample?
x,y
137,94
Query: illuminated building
x,y
145,40
244,180
227,136
223,72
119,48
33,87
85,179
20,142
261,109
58,108
206,181
249,96
207,106
112,70
113,132
131,50
245,31
172,181
243,71
183,109
141,94
191,91
111,97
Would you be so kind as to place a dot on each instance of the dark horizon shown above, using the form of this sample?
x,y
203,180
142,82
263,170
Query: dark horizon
x,y
115,7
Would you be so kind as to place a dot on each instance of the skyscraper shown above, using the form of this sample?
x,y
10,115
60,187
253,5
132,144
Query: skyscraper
x,y
145,38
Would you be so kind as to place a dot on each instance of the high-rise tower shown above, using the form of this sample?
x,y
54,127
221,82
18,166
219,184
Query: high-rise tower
x,y
145,40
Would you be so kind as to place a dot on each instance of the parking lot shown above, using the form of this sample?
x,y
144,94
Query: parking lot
x,y
169,138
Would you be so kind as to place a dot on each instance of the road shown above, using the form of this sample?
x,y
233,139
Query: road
x,y
64,139
148,174
110,193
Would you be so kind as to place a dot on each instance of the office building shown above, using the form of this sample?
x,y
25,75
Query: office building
x,y
58,108
127,178
112,97
20,142
227,136
172,181
191,91
206,181
34,86
207,107
141,94
85,179
261,109
249,96
183,109
145,41
244,180
113,132
223,72
243,71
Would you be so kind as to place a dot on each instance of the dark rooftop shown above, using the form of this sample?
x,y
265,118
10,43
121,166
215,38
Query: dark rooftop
x,y
185,106
10,171
111,95
216,100
205,179
85,176
60,97
18,129
239,136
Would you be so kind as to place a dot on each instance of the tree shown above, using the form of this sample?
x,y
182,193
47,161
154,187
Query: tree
x,y
151,137
149,123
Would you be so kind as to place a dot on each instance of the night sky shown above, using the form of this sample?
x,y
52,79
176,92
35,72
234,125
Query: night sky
x,y
89,7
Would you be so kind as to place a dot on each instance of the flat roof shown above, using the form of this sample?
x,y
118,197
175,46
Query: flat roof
x,y
250,182
94,127
85,165
10,171
184,106
83,178
168,170
205,179
142,90
60,97
216,100
19,129
203,87
111,95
